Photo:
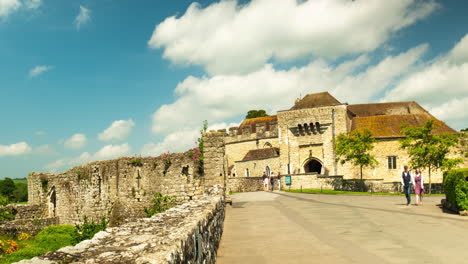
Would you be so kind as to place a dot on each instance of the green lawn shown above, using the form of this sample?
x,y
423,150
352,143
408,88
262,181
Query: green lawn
x,y
20,180
346,192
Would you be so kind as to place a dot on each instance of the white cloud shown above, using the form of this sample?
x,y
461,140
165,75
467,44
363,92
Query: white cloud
x,y
226,96
118,130
17,149
45,150
107,152
175,142
83,17
32,4
76,141
38,70
8,6
441,86
230,38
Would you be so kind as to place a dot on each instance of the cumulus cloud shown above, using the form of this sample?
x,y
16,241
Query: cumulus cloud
x,y
226,96
441,86
107,152
17,149
32,4
76,141
174,142
45,150
118,130
8,6
83,17
230,38
38,70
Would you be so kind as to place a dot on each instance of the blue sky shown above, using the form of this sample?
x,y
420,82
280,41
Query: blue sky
x,y
86,80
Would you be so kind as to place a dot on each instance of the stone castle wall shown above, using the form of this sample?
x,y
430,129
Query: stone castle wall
x,y
188,233
95,189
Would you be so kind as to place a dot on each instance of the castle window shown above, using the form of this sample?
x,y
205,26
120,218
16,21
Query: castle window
x,y
268,172
247,173
392,162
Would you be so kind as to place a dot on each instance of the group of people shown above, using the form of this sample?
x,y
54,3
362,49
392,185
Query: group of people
x,y
416,183
269,181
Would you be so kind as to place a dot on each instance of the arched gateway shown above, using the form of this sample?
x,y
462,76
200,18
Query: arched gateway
x,y
313,165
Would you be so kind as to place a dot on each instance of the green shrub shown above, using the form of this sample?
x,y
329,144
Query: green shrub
x,y
56,236
456,188
160,204
44,184
24,253
5,214
88,229
136,162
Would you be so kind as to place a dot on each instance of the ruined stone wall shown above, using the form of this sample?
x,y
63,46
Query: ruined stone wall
x,y
215,165
188,233
95,189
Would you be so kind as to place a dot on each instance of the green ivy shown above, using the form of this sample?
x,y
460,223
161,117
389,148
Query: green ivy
x,y
160,204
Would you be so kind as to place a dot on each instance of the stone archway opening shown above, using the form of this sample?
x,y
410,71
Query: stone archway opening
x,y
52,197
313,166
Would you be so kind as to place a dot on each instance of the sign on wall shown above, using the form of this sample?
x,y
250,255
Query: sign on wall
x,y
287,179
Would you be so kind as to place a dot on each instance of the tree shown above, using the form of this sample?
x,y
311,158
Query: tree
x,y
427,150
255,113
464,130
7,187
355,148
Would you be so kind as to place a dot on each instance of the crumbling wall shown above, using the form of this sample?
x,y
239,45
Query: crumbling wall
x,y
188,233
94,189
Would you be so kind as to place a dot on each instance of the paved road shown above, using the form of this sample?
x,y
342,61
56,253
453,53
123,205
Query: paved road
x,y
288,228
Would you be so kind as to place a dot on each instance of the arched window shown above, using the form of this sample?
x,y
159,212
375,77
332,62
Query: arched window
x,y
313,165
247,173
267,170
267,145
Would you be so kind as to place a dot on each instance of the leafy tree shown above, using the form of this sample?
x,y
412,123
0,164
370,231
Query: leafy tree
x,y
255,113
20,194
464,130
355,148
427,150
7,187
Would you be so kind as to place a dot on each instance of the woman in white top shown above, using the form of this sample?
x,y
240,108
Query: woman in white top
x,y
418,186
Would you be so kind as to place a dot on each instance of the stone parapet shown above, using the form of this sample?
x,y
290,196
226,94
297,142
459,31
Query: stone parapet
x,y
188,233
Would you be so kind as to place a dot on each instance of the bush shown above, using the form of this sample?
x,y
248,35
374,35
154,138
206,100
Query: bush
x,y
160,204
456,188
88,229
5,214
56,236
136,162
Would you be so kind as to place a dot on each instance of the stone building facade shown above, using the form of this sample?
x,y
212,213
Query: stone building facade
x,y
304,137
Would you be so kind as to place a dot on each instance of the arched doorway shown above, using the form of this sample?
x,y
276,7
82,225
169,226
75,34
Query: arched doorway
x,y
313,165
52,202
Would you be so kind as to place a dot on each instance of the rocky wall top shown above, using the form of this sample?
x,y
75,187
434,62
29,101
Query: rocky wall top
x,y
189,233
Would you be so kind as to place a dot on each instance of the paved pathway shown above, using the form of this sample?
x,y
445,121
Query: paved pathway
x,y
280,227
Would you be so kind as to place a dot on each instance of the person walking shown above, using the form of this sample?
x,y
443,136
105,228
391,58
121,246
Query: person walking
x,y
419,186
265,182
279,181
407,181
272,182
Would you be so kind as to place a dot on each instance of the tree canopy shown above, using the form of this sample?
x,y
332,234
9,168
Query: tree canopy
x,y
427,150
255,113
355,148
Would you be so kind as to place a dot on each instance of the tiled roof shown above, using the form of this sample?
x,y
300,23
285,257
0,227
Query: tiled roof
x,y
395,108
315,100
389,126
265,153
252,123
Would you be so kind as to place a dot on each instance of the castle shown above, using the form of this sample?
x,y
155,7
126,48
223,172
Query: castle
x,y
300,141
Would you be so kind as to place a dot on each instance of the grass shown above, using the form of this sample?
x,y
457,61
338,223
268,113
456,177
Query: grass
x,y
318,191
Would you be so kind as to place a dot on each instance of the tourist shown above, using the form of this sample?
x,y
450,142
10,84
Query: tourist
x,y
265,182
279,181
272,182
419,186
407,181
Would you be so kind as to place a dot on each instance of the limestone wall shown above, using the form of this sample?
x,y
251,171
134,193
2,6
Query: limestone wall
x,y
215,160
312,181
257,167
236,151
95,189
245,184
188,233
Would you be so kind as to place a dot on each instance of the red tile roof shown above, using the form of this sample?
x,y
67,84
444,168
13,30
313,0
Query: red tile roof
x,y
315,100
265,153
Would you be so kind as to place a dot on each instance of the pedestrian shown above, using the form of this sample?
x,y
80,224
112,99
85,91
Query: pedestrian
x,y
265,182
407,181
419,186
279,181
272,182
